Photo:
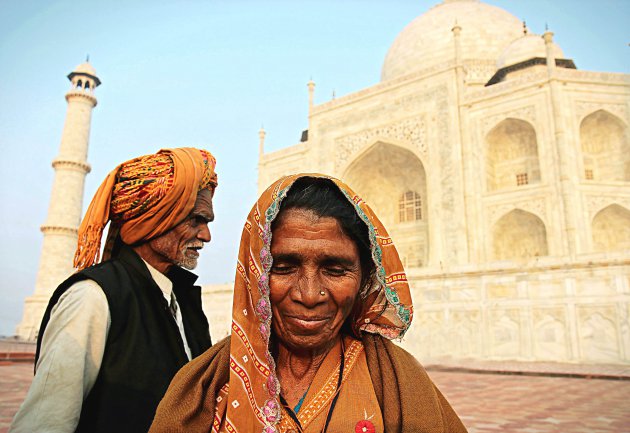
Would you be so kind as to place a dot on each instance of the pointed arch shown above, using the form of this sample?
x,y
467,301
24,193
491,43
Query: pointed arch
x,y
605,147
550,339
611,229
511,155
383,174
519,235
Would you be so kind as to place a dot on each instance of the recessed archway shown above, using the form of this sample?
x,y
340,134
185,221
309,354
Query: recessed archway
x,y
511,155
605,147
383,175
519,235
611,229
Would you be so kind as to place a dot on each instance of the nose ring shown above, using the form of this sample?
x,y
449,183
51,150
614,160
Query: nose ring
x,y
322,293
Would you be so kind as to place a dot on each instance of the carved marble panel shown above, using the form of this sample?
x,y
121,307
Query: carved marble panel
x,y
527,113
598,339
411,131
595,203
464,333
505,333
550,338
536,206
584,108
429,333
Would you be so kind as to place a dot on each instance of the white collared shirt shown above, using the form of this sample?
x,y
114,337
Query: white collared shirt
x,y
166,286
71,356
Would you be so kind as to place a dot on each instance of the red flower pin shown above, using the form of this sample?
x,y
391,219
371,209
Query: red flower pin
x,y
364,426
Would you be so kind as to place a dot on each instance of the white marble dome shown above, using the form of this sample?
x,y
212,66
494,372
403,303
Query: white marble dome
x,y
85,68
428,40
524,48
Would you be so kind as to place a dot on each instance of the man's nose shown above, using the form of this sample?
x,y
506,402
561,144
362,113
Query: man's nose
x,y
204,233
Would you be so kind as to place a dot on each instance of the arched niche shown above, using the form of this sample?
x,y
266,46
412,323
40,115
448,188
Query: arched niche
x,y
611,229
605,147
511,155
598,339
519,235
550,339
381,176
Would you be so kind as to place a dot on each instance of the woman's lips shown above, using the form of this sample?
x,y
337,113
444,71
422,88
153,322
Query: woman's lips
x,y
306,322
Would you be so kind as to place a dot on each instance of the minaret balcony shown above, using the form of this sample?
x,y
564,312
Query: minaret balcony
x,y
81,93
82,167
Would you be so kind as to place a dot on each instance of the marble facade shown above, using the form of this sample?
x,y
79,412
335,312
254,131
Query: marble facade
x,y
503,174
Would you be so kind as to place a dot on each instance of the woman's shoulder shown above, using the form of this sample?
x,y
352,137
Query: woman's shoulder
x,y
380,347
212,354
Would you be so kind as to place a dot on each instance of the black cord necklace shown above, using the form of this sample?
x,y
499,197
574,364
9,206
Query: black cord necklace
x,y
332,405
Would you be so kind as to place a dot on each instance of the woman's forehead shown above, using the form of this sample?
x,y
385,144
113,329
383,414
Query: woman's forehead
x,y
305,223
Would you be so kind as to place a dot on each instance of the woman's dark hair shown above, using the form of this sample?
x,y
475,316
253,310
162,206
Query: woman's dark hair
x,y
323,197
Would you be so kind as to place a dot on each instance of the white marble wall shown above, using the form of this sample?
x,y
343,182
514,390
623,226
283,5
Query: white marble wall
x,y
561,291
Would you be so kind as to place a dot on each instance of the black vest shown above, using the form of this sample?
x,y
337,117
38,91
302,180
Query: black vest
x,y
144,349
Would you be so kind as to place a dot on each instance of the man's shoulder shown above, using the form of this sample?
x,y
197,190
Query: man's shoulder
x,y
111,266
115,278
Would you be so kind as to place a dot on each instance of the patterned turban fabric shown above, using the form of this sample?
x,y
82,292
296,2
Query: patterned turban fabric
x,y
144,198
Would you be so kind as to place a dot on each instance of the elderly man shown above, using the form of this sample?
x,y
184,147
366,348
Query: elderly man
x,y
115,333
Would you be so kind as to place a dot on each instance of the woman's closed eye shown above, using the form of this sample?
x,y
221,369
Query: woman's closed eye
x,y
282,268
335,271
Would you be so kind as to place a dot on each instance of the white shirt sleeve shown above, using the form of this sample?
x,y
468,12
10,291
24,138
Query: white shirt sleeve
x,y
70,359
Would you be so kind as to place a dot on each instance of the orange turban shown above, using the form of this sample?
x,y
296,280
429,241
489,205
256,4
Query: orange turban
x,y
144,198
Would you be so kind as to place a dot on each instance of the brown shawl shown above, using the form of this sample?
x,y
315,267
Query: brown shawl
x,y
409,401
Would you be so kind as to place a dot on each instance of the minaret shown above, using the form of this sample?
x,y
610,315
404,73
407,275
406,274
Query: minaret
x,y
311,94
261,142
66,200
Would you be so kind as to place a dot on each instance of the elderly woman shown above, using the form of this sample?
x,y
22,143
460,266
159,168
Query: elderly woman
x,y
320,291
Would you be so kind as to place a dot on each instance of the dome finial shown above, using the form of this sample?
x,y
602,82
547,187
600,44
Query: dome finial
x,y
524,28
456,28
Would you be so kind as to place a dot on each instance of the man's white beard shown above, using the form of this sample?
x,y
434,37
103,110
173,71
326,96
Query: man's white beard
x,y
186,262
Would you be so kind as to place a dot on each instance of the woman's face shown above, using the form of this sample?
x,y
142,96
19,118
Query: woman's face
x,y
311,256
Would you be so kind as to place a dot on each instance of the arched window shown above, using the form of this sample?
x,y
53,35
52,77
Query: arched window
x,y
382,190
519,235
79,84
611,229
511,155
87,85
409,207
605,147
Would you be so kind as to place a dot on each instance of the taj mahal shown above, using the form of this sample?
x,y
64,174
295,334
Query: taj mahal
x,y
500,169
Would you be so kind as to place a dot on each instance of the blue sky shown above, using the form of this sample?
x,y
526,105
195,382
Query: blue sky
x,y
206,74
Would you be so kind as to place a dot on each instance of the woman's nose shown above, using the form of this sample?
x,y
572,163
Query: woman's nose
x,y
309,288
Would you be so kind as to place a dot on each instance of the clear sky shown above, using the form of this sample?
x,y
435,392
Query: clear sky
x,y
206,74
